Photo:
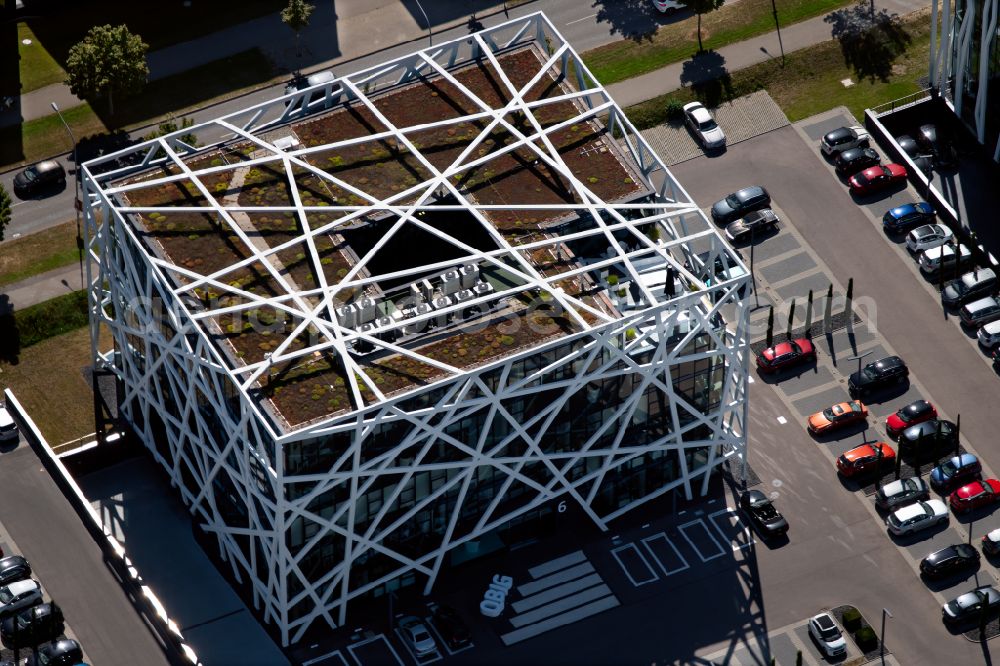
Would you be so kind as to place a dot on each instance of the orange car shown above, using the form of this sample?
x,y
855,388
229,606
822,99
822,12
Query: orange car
x,y
864,459
837,416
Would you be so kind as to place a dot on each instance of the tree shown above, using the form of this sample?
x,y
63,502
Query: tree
x,y
700,7
109,61
296,16
5,210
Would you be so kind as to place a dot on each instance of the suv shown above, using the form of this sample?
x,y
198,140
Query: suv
x,y
877,374
740,203
981,312
844,138
970,287
943,257
929,438
827,635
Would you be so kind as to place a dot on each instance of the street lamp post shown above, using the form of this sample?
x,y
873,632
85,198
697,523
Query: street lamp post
x,y
76,169
885,611
777,28
859,357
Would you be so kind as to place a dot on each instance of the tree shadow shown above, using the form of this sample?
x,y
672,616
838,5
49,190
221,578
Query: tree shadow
x,y
708,77
10,337
870,42
636,20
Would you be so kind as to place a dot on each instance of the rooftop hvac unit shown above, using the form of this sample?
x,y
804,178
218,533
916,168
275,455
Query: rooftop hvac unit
x,y
450,282
366,310
364,346
417,326
464,295
416,293
443,302
469,274
482,289
347,316
426,289
384,330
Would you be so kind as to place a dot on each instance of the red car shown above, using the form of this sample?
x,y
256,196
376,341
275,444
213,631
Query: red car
x,y
785,354
877,178
975,495
863,459
916,412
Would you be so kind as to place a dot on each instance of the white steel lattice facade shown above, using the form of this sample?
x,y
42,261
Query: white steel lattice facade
x,y
965,64
593,350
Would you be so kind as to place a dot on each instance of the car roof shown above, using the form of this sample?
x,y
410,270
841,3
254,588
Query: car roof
x,y
320,77
975,277
992,328
987,302
889,362
750,192
825,621
48,165
839,133
17,587
11,560
911,511
5,417
700,114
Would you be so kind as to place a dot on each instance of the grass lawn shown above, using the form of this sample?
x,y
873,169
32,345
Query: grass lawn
x,y
679,41
49,382
39,252
38,68
211,82
810,81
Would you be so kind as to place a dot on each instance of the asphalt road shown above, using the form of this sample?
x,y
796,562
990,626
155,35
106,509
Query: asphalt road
x,y
71,566
585,24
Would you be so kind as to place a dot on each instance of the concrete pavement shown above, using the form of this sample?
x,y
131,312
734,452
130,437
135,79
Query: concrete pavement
x,y
738,56
43,287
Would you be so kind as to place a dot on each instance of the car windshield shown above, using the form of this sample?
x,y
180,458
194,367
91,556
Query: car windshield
x,y
31,173
829,632
871,372
732,201
708,124
831,412
949,468
5,595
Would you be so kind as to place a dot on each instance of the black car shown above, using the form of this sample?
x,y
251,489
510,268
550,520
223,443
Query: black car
x,y
762,514
967,607
944,562
12,568
908,145
970,287
740,203
35,625
65,652
934,142
877,375
452,628
928,438
39,177
854,160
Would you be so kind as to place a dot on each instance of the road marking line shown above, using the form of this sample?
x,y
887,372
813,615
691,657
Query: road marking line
x,y
750,379
782,420
324,657
746,530
380,637
655,576
582,19
557,564
666,572
708,532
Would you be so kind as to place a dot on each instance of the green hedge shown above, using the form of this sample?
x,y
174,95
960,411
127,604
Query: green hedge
x,y
50,318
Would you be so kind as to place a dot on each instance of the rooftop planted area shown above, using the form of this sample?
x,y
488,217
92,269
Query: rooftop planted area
x,y
397,237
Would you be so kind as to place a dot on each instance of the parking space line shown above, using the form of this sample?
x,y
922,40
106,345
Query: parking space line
x,y
653,575
666,572
429,659
324,658
782,420
746,529
380,637
708,533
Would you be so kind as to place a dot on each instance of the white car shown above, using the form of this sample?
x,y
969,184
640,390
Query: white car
x,y
916,517
8,429
18,595
844,138
927,236
417,637
704,127
989,335
667,6
941,257
902,492
827,635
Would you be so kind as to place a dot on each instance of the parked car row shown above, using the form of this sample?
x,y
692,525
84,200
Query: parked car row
x,y
28,622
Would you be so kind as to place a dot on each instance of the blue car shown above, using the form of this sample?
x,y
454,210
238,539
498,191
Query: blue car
x,y
954,471
907,216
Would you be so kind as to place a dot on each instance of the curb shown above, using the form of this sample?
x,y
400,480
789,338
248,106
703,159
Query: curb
x,y
270,84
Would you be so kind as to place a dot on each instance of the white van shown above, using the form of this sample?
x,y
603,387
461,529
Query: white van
x,y
8,429
981,312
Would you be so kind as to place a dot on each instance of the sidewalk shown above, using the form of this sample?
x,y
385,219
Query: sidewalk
x,y
42,287
741,54
351,29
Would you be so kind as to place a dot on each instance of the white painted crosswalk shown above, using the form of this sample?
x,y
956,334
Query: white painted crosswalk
x,y
562,591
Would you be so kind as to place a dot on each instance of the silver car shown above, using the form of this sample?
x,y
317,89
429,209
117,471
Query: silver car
x,y
902,492
417,637
927,236
704,127
917,517
19,594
